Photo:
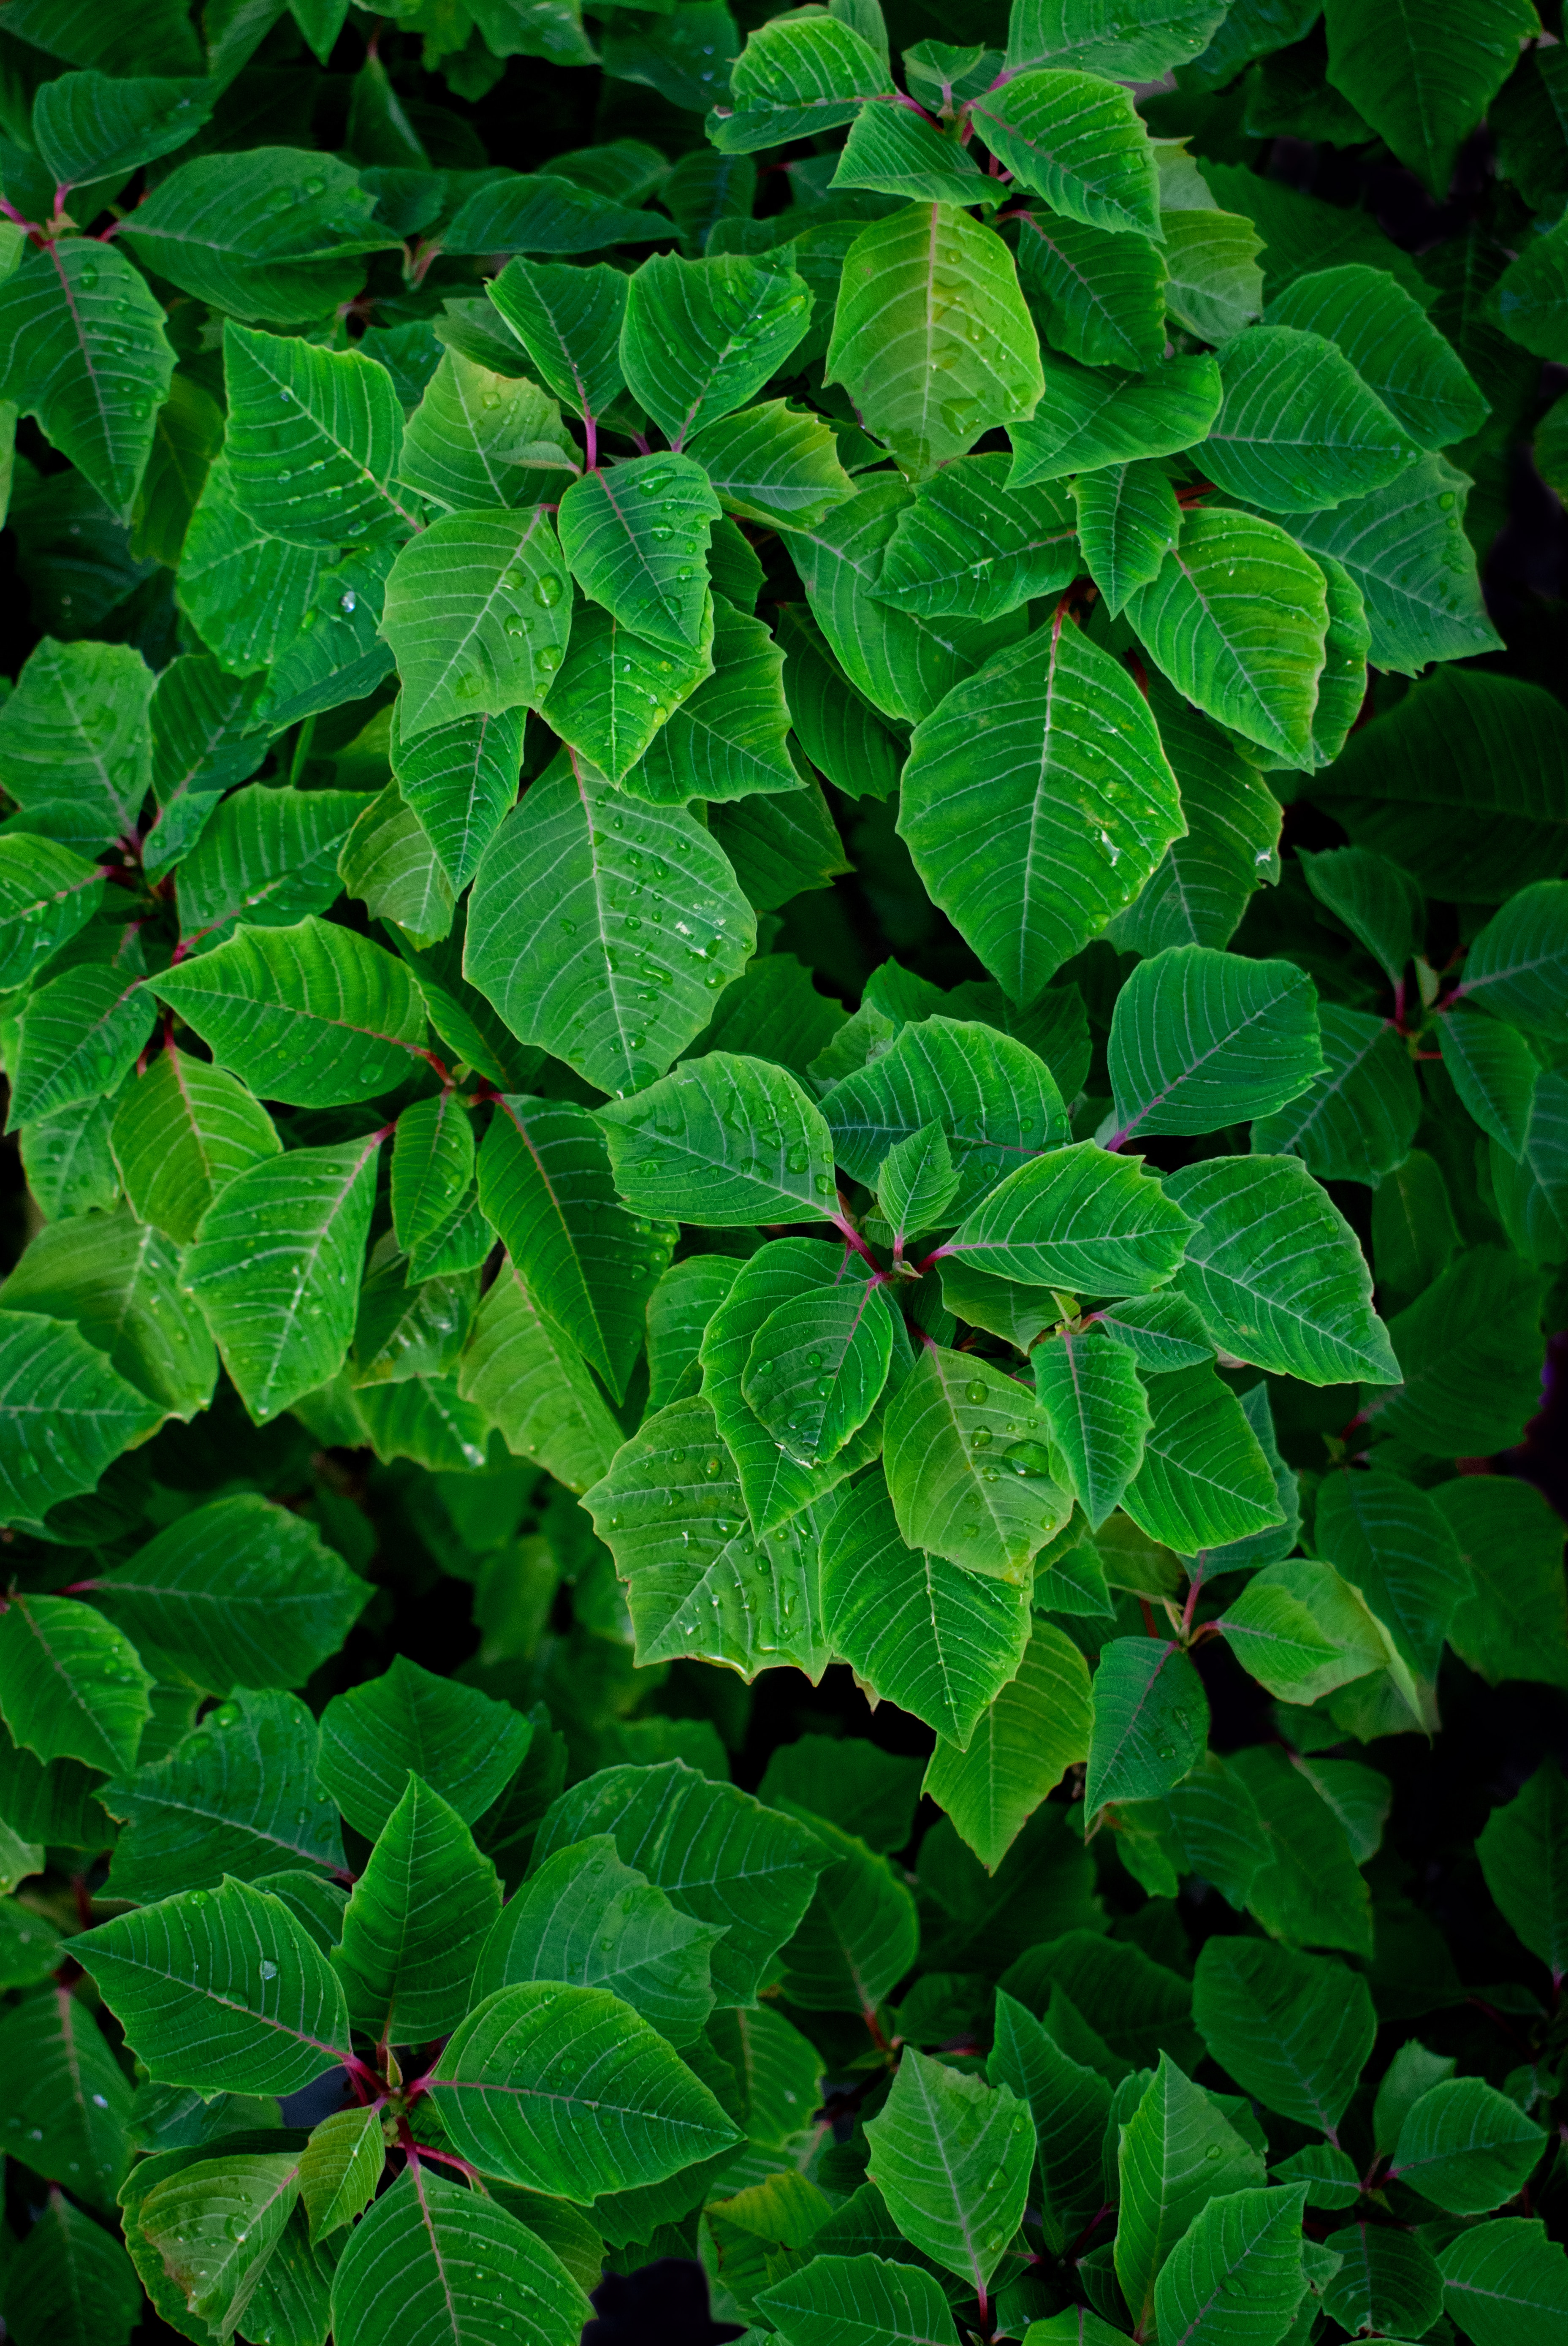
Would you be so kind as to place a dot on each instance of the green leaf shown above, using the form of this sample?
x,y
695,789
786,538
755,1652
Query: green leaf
x,y
70,2283
1466,2148
1177,2154
952,2157
47,893
1294,2030
1128,520
330,419
81,1034
1036,802
1297,425
182,1132
683,1148
478,438
462,1746
227,1801
1423,87
1275,1271
816,1368
1038,1726
339,2169
679,1309
221,1990
1090,1390
551,936
1201,1039
1384,2276
1418,582
1518,964
460,780
276,233
309,1014
718,1855
1150,1720
1530,295
1494,1072
416,1921
1237,618
534,1388
1203,1480
1244,2244
451,2258
76,745
1301,1631
950,1494
725,1594
931,339
700,338
238,1592
618,688
1355,1121
1214,286
65,1415
388,862
67,2102
972,547
1089,417
216,2225
71,1684
584,1917
1068,2101
857,2300
1083,33
1203,884
861,1933
266,857
636,540
1394,1545
937,1640
1076,1218
477,614
121,1284
794,78
203,739
276,1269
899,154
856,1785
93,126
903,662
568,320
1506,2281
544,1186
772,463
1096,296
728,738
1523,1854
62,310
1078,141
917,1181
992,1098
1379,904
1387,337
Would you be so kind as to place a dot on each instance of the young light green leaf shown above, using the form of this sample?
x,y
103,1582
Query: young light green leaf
x,y
816,1368
931,338
1178,2153
1078,140
478,438
793,79
276,1269
478,617
952,2157
266,857
992,1098
180,1133
1036,801
970,1466
221,1990
617,687
917,1182
340,2168
550,933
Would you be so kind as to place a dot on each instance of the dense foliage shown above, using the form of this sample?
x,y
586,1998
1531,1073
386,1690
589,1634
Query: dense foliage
x,y
650,1611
